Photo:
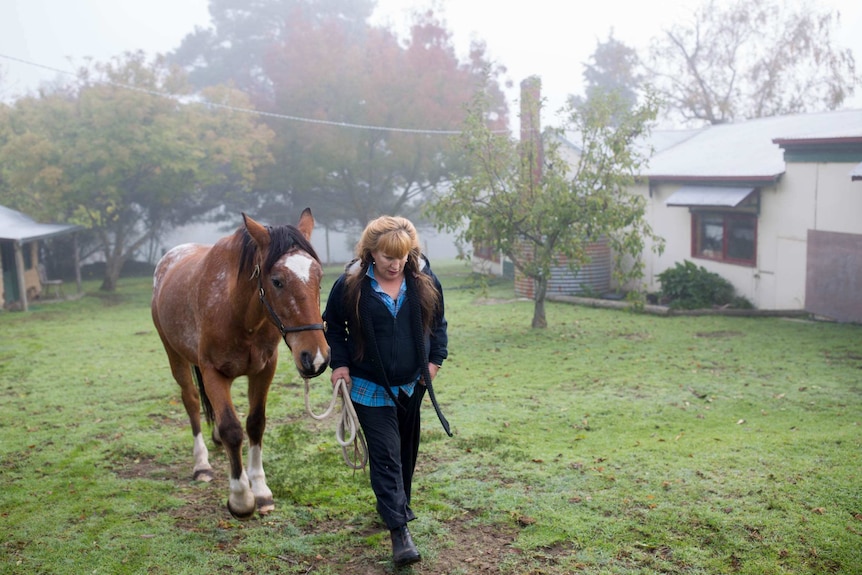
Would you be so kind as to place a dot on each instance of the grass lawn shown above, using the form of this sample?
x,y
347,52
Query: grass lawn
x,y
610,443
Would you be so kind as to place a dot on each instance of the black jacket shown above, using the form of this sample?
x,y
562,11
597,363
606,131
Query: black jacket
x,y
391,355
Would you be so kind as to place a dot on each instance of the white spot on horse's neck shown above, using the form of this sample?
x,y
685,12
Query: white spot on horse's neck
x,y
300,265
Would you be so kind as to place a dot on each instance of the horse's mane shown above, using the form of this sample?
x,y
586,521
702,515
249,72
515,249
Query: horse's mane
x,y
283,239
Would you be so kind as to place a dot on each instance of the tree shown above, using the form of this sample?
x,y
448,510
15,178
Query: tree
x,y
234,49
126,162
751,59
613,68
534,207
376,108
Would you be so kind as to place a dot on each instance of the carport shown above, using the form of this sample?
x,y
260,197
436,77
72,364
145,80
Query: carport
x,y
19,254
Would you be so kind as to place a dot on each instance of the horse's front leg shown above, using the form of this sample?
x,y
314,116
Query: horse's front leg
x,y
258,389
240,501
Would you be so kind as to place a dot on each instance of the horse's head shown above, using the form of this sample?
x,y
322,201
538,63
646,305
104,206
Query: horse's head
x,y
289,274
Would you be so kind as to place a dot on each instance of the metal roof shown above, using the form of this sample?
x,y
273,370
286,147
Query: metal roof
x,y
708,196
746,151
20,227
654,142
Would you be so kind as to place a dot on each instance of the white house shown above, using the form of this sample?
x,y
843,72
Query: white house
x,y
774,205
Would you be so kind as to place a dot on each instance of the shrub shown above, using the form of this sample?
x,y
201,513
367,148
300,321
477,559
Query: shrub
x,y
688,286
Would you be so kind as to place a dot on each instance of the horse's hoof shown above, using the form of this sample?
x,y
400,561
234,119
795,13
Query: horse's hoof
x,y
240,516
204,475
265,506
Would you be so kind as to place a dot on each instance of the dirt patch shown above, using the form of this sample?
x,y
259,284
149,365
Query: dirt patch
x,y
466,547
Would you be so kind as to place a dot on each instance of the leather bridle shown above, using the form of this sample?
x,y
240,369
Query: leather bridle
x,y
283,329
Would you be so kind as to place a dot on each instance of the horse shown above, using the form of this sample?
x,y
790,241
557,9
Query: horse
x,y
221,312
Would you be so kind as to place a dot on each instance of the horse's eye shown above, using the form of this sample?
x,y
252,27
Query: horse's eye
x,y
277,283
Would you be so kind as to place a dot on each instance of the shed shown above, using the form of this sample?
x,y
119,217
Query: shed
x,y
19,255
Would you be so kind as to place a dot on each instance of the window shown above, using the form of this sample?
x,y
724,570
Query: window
x,y
486,252
724,236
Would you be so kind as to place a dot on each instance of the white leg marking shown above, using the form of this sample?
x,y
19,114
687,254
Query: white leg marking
x,y
241,498
202,470
262,493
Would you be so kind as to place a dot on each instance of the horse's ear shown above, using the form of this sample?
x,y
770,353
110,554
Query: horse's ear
x,y
257,231
306,223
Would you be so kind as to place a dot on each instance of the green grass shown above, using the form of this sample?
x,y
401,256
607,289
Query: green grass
x,y
612,442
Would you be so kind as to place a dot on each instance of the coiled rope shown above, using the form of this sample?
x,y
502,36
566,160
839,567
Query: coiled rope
x,y
348,421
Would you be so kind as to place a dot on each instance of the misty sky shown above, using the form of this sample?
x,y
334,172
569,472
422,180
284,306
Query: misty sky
x,y
548,38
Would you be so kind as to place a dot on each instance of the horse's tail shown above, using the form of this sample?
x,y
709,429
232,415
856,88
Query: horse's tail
x,y
205,400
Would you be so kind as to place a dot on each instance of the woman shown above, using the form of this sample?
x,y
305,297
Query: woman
x,y
387,333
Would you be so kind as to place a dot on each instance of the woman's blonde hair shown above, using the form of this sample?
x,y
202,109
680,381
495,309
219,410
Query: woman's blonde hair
x,y
396,237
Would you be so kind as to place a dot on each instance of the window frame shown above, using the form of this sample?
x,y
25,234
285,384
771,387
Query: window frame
x,y
727,216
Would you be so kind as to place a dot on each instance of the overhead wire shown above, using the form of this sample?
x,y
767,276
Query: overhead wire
x,y
197,98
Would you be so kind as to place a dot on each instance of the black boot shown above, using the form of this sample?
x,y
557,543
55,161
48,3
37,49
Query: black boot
x,y
404,551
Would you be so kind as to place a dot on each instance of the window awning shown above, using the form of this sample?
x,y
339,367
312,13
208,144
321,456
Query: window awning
x,y
724,197
856,173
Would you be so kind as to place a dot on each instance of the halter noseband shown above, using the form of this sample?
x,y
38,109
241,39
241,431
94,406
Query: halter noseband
x,y
284,330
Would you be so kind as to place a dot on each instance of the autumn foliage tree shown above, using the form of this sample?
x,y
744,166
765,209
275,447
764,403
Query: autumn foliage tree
x,y
375,113
124,161
233,49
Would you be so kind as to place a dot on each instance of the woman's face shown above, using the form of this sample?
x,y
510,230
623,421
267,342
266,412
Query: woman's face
x,y
387,267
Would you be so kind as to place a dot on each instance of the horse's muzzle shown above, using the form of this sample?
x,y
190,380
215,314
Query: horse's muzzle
x,y
312,365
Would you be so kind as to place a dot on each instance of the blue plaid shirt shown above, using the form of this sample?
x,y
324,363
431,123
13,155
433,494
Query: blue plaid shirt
x,y
368,393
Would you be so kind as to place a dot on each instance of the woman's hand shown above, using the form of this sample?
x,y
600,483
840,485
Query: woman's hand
x,y
340,373
432,370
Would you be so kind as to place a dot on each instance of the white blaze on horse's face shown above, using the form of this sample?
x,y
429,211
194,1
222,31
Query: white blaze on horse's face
x,y
300,265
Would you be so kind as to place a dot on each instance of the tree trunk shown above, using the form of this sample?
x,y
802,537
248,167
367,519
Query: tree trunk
x,y
113,267
539,320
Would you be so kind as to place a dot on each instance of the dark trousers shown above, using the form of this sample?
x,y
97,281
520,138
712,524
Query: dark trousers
x,y
392,435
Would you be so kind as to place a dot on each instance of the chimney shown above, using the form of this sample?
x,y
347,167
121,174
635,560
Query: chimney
x,y
531,126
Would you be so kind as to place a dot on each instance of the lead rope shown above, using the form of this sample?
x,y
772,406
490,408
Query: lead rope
x,y
347,421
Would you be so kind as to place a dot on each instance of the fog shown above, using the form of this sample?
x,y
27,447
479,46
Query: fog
x,y
548,38
43,40
332,247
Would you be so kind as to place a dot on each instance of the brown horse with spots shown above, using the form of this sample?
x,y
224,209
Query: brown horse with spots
x,y
221,312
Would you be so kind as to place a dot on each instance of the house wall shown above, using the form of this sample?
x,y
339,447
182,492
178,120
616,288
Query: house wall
x,y
809,196
778,248
834,242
